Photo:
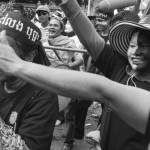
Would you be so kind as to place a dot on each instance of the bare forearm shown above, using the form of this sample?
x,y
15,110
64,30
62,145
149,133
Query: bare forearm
x,y
130,103
62,82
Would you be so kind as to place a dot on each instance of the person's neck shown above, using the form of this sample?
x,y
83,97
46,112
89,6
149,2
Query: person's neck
x,y
14,85
45,24
143,73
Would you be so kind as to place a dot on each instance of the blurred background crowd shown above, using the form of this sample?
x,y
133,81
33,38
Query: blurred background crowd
x,y
57,31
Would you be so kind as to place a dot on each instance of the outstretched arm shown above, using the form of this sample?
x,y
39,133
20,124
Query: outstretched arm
x,y
130,103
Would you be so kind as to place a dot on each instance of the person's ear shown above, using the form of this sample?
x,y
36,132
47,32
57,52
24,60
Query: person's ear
x,y
31,56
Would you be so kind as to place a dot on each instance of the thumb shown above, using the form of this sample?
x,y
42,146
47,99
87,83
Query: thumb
x,y
3,38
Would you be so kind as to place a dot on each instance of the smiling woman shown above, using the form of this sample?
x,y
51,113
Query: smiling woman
x,y
139,52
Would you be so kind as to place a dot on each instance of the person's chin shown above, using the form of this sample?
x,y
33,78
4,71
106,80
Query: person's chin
x,y
139,68
52,35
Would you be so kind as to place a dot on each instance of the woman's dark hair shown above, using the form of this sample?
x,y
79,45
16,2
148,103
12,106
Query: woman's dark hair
x,y
143,34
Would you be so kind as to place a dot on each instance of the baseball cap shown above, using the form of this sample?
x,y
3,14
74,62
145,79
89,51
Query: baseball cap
x,y
23,30
43,8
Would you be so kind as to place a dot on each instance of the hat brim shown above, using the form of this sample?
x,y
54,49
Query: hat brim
x,y
42,10
120,35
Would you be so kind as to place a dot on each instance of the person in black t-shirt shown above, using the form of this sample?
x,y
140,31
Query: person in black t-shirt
x,y
27,113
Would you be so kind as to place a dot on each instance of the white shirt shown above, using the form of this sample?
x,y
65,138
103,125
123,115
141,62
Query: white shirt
x,y
44,31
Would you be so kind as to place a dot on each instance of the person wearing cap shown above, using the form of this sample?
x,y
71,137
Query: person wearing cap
x,y
102,23
43,13
125,60
27,113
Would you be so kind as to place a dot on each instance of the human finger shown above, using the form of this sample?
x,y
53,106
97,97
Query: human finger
x,y
3,38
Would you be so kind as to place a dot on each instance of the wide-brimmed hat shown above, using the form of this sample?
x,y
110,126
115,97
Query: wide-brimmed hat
x,y
121,33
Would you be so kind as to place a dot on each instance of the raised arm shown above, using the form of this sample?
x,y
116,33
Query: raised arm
x,y
83,28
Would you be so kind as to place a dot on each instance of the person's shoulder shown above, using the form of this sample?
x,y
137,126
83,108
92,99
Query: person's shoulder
x,y
71,43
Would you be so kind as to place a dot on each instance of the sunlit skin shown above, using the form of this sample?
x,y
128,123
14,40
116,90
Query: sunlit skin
x,y
54,28
139,54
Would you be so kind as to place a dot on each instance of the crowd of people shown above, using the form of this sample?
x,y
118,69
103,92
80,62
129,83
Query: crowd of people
x,y
43,87
27,11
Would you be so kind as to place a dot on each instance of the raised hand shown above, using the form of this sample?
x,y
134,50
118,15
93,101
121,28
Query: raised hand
x,y
8,58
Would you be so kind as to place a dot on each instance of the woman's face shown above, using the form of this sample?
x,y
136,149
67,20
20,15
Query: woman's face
x,y
68,27
54,28
139,53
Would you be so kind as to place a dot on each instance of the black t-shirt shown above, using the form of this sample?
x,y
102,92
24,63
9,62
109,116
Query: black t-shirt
x,y
120,136
31,112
